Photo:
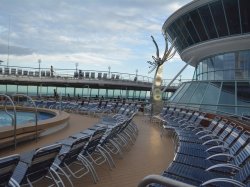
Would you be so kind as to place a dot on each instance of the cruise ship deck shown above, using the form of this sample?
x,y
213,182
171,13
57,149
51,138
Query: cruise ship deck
x,y
150,154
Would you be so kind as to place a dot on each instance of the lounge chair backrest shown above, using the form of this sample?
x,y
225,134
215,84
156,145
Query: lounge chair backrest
x,y
239,144
213,123
7,166
94,140
236,132
192,116
243,156
243,174
227,131
76,148
41,162
221,125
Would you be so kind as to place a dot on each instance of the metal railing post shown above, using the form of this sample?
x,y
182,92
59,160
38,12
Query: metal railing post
x,y
36,113
13,117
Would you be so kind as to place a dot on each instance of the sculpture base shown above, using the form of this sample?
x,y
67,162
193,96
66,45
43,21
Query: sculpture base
x,y
156,107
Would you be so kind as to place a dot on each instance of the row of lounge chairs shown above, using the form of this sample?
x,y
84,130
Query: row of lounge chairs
x,y
74,156
92,75
214,155
95,108
21,72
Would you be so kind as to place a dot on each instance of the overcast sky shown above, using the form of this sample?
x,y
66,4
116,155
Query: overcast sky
x,y
94,33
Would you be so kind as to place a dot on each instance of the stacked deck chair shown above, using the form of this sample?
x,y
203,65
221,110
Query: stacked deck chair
x,y
36,165
119,135
234,173
217,155
7,167
72,160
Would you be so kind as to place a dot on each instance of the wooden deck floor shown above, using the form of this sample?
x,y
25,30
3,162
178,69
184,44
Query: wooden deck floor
x,y
151,154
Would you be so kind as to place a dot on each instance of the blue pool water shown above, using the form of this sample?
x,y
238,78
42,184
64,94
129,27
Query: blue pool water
x,y
23,117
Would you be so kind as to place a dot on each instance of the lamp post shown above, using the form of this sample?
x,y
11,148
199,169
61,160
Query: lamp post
x,y
109,71
39,67
76,65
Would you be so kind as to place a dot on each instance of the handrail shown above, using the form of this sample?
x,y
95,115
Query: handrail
x,y
13,118
36,113
161,180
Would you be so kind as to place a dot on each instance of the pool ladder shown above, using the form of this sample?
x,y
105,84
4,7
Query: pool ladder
x,y
13,116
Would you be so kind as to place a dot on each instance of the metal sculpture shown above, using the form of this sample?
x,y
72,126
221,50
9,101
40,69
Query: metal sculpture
x,y
156,93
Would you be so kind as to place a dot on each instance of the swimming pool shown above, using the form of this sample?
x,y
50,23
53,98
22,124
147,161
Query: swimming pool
x,y
23,117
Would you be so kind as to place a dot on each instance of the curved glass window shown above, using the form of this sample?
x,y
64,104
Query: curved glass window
x,y
219,18
223,97
232,14
227,97
228,66
245,15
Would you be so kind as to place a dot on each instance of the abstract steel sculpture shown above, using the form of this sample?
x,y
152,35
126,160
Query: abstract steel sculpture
x,y
156,93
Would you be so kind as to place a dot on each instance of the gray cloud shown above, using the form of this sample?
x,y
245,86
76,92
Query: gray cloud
x,y
109,30
14,50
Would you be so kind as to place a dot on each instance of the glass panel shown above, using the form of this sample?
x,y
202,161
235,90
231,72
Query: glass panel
x,y
243,93
181,92
204,76
244,61
117,93
131,93
198,25
185,32
176,92
199,92
180,36
219,18
102,92
22,89
11,89
61,91
86,92
227,97
211,96
229,64
177,43
78,92
32,90
186,96
94,92
2,88
232,14
245,15
51,90
208,21
187,21
43,90
110,93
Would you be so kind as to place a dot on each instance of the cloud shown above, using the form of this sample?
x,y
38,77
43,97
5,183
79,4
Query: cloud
x,y
100,32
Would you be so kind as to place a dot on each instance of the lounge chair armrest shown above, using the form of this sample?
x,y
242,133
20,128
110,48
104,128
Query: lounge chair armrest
x,y
203,131
223,166
216,147
227,180
207,135
219,154
213,140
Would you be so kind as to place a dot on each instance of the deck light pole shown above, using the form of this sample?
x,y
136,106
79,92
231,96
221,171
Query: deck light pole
x,y
157,63
76,65
109,71
39,67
